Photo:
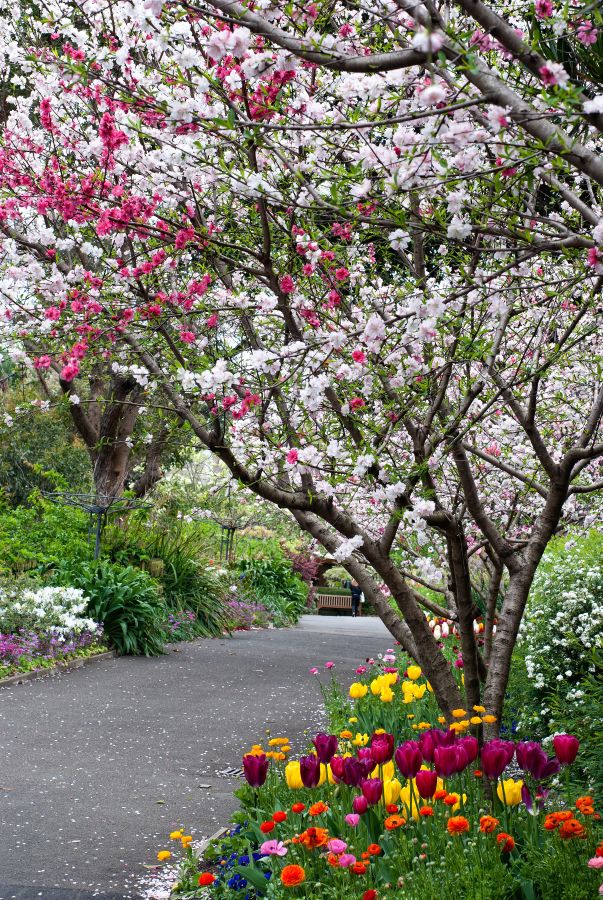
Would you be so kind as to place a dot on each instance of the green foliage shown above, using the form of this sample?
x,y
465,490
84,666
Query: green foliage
x,y
127,602
41,535
187,582
272,582
41,454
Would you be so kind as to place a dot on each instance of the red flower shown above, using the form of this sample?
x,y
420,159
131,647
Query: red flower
x,y
279,816
371,894
298,807
266,827
206,879
358,868
505,842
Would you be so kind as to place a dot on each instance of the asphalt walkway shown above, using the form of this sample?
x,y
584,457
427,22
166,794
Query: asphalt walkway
x,y
98,765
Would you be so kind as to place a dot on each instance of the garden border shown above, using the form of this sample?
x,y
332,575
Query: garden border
x,y
22,677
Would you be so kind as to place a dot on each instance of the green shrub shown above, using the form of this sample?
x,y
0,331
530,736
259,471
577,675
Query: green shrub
x,y
555,683
188,584
126,601
42,534
272,582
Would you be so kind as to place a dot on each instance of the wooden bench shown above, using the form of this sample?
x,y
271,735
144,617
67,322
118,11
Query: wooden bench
x,y
333,601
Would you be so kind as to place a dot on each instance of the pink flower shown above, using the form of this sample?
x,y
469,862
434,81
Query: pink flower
x,y
357,403
69,371
360,670
313,671
553,73
341,274
336,845
352,819
347,859
287,284
596,862
188,337
329,665
292,457
212,321
587,33
273,848
543,9
359,357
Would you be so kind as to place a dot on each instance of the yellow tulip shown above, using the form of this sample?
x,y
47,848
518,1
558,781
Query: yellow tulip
x,y
509,791
358,690
388,770
293,775
407,801
414,672
376,685
391,790
387,695
361,740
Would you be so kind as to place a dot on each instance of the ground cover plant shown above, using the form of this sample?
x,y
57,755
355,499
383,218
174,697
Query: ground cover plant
x,y
399,801
40,626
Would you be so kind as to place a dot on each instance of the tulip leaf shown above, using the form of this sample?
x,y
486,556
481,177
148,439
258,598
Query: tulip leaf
x,y
527,890
254,876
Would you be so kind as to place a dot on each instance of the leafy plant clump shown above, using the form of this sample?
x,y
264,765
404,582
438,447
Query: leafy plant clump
x,y
127,602
272,582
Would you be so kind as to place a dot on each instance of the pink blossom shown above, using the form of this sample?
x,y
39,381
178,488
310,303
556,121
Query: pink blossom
x,y
287,284
352,819
42,362
273,848
341,274
212,321
596,862
346,859
329,665
188,337
553,73
543,9
69,371
361,670
292,457
359,357
314,671
335,845
357,403
587,33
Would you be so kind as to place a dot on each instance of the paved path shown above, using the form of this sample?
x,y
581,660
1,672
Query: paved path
x,y
98,765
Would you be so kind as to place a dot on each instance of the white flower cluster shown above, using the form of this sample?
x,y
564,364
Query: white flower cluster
x,y
563,623
58,608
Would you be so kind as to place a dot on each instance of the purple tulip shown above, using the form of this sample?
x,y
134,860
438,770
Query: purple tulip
x,y
409,758
337,767
360,805
426,783
433,738
496,756
566,748
309,770
255,769
528,800
382,748
449,760
354,771
470,745
372,789
532,758
326,747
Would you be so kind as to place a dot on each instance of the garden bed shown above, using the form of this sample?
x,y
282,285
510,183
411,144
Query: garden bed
x,y
399,801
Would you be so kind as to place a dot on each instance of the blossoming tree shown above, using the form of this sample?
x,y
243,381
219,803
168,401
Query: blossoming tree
x,y
358,249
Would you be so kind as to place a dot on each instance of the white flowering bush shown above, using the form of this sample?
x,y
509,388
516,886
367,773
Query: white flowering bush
x,y
562,631
42,609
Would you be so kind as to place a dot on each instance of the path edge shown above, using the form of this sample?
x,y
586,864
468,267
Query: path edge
x,y
22,677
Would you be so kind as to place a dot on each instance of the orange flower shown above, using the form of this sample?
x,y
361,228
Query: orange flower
x,y
206,878
487,824
587,810
358,868
426,811
505,842
439,795
292,876
584,801
478,773
313,837
571,828
333,860
393,822
551,822
451,799
317,808
457,825
298,807
373,849
564,815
